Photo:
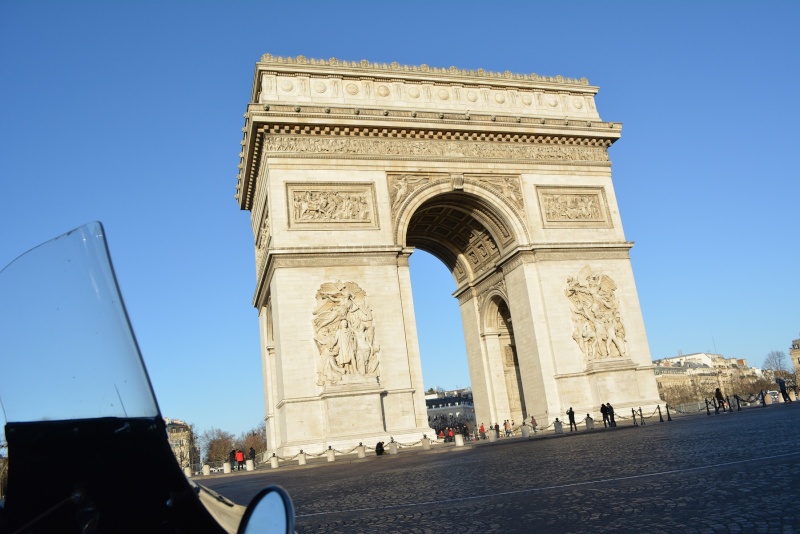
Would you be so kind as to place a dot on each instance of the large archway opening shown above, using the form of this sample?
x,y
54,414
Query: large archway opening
x,y
466,236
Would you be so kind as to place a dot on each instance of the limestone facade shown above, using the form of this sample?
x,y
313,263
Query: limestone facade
x,y
347,167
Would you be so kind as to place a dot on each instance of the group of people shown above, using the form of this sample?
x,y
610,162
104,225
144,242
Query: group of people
x,y
507,428
608,415
237,458
448,433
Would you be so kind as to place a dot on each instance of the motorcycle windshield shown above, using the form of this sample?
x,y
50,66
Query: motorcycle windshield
x,y
66,345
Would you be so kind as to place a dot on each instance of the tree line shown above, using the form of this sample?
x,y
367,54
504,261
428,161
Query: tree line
x,y
216,444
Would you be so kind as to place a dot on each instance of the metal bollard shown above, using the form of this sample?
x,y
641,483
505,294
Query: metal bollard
x,y
361,451
633,412
708,412
331,454
660,418
206,470
301,458
669,417
273,461
250,465
426,444
641,416
459,440
226,467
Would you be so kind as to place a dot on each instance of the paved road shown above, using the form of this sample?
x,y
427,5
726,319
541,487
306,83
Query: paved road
x,y
736,472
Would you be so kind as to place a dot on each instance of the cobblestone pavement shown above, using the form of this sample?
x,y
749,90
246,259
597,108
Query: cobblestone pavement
x,y
735,472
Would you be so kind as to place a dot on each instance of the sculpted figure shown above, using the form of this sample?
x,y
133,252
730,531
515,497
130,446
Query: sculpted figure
x,y
597,324
344,333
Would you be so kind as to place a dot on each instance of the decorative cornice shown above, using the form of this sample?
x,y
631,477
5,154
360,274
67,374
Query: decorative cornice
x,y
394,69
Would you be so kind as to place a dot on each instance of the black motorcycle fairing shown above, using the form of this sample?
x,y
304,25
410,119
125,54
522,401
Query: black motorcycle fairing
x,y
126,481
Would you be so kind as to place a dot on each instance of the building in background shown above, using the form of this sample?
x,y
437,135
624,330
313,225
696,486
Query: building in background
x,y
794,355
692,377
182,441
450,408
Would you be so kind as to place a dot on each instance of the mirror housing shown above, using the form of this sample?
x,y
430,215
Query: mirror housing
x,y
270,511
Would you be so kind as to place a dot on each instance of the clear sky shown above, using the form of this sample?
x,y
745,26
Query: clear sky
x,y
131,113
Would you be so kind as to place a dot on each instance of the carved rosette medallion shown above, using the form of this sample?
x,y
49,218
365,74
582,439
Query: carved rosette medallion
x,y
598,328
344,334
339,206
571,207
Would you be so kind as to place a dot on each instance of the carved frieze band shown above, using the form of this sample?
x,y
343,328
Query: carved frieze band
x,y
349,146
333,206
573,207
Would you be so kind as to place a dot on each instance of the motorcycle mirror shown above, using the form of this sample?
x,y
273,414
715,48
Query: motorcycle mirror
x,y
270,511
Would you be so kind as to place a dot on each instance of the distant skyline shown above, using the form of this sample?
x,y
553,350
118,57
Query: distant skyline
x,y
131,113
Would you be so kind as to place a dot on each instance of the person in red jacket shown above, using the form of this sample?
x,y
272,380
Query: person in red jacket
x,y
239,459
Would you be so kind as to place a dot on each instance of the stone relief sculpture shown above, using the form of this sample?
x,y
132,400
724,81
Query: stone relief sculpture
x,y
344,333
572,207
330,206
401,186
440,148
598,328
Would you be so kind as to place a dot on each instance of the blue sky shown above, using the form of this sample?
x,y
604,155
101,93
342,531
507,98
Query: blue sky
x,y
130,113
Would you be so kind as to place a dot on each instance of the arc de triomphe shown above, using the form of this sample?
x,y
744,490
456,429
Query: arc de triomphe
x,y
347,167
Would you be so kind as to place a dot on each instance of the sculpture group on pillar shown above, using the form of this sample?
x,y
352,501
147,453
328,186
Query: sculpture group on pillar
x,y
598,328
344,333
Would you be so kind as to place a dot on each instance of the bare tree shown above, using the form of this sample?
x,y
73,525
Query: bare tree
x,y
256,438
217,444
777,361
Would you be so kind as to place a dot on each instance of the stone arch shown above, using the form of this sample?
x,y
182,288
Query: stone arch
x,y
469,229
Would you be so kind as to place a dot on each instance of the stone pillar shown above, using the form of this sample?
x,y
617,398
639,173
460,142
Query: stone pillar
x,y
187,471
558,427
459,440
767,398
301,458
273,461
331,454
492,436
526,431
426,444
780,398
361,451
792,396
589,423
250,465
226,467
206,470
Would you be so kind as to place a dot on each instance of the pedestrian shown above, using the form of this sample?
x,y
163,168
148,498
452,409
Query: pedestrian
x,y
239,459
483,431
232,458
611,421
379,448
497,430
604,411
782,386
507,428
252,454
533,424
719,399
451,435
571,415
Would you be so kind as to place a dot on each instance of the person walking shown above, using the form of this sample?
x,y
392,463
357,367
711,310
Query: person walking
x,y
611,421
483,431
604,411
533,424
571,415
239,459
